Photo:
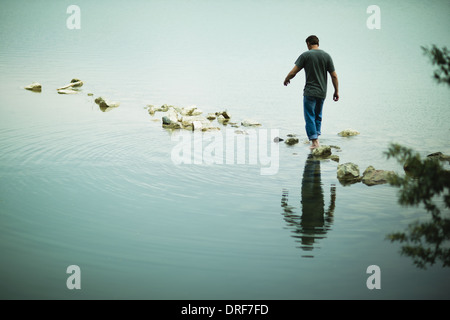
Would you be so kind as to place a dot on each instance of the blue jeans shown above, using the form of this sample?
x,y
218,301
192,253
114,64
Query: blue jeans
x,y
312,110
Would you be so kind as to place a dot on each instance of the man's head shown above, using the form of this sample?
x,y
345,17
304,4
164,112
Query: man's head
x,y
312,41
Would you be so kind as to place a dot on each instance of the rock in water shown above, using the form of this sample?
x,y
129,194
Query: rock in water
x,y
348,133
187,122
197,125
191,111
35,86
166,120
163,108
222,120
439,156
291,141
172,114
373,177
76,82
151,109
278,139
106,105
211,116
168,124
348,173
224,114
250,123
322,151
171,120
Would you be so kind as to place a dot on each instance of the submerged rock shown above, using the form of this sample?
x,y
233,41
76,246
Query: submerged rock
x,y
223,117
163,108
412,166
291,141
74,83
373,177
250,123
35,86
171,125
348,133
171,120
201,122
184,118
98,100
203,126
225,114
222,120
151,109
190,111
324,152
348,173
67,91
197,125
166,120
106,105
172,115
334,157
439,155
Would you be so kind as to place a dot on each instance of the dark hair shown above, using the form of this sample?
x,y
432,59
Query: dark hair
x,y
312,40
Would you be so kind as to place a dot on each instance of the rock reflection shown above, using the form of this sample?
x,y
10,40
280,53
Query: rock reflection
x,y
315,221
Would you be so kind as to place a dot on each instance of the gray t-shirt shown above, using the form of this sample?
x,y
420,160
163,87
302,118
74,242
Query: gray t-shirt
x,y
317,63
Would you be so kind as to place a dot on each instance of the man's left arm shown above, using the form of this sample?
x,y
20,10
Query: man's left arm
x,y
292,74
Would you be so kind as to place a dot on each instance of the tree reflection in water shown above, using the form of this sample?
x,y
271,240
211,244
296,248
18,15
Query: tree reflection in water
x,y
315,221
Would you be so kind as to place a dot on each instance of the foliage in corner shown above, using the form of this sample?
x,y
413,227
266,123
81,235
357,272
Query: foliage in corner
x,y
425,181
441,58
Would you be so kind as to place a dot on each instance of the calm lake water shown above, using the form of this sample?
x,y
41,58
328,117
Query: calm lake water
x,y
103,190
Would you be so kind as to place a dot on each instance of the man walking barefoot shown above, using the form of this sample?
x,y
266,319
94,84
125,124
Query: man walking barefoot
x,y
317,63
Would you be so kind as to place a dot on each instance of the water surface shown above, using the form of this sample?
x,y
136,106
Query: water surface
x,y
100,190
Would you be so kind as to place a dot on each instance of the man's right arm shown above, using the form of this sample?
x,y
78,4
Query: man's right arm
x,y
334,80
291,74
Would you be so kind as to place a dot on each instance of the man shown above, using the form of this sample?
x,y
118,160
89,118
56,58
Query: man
x,y
317,63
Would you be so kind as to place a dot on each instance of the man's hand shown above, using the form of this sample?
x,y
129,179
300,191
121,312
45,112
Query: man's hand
x,y
286,81
336,96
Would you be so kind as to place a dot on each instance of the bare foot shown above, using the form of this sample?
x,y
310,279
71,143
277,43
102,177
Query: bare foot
x,y
315,144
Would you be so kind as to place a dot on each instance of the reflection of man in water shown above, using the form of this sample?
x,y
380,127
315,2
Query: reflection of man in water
x,y
314,221
312,224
